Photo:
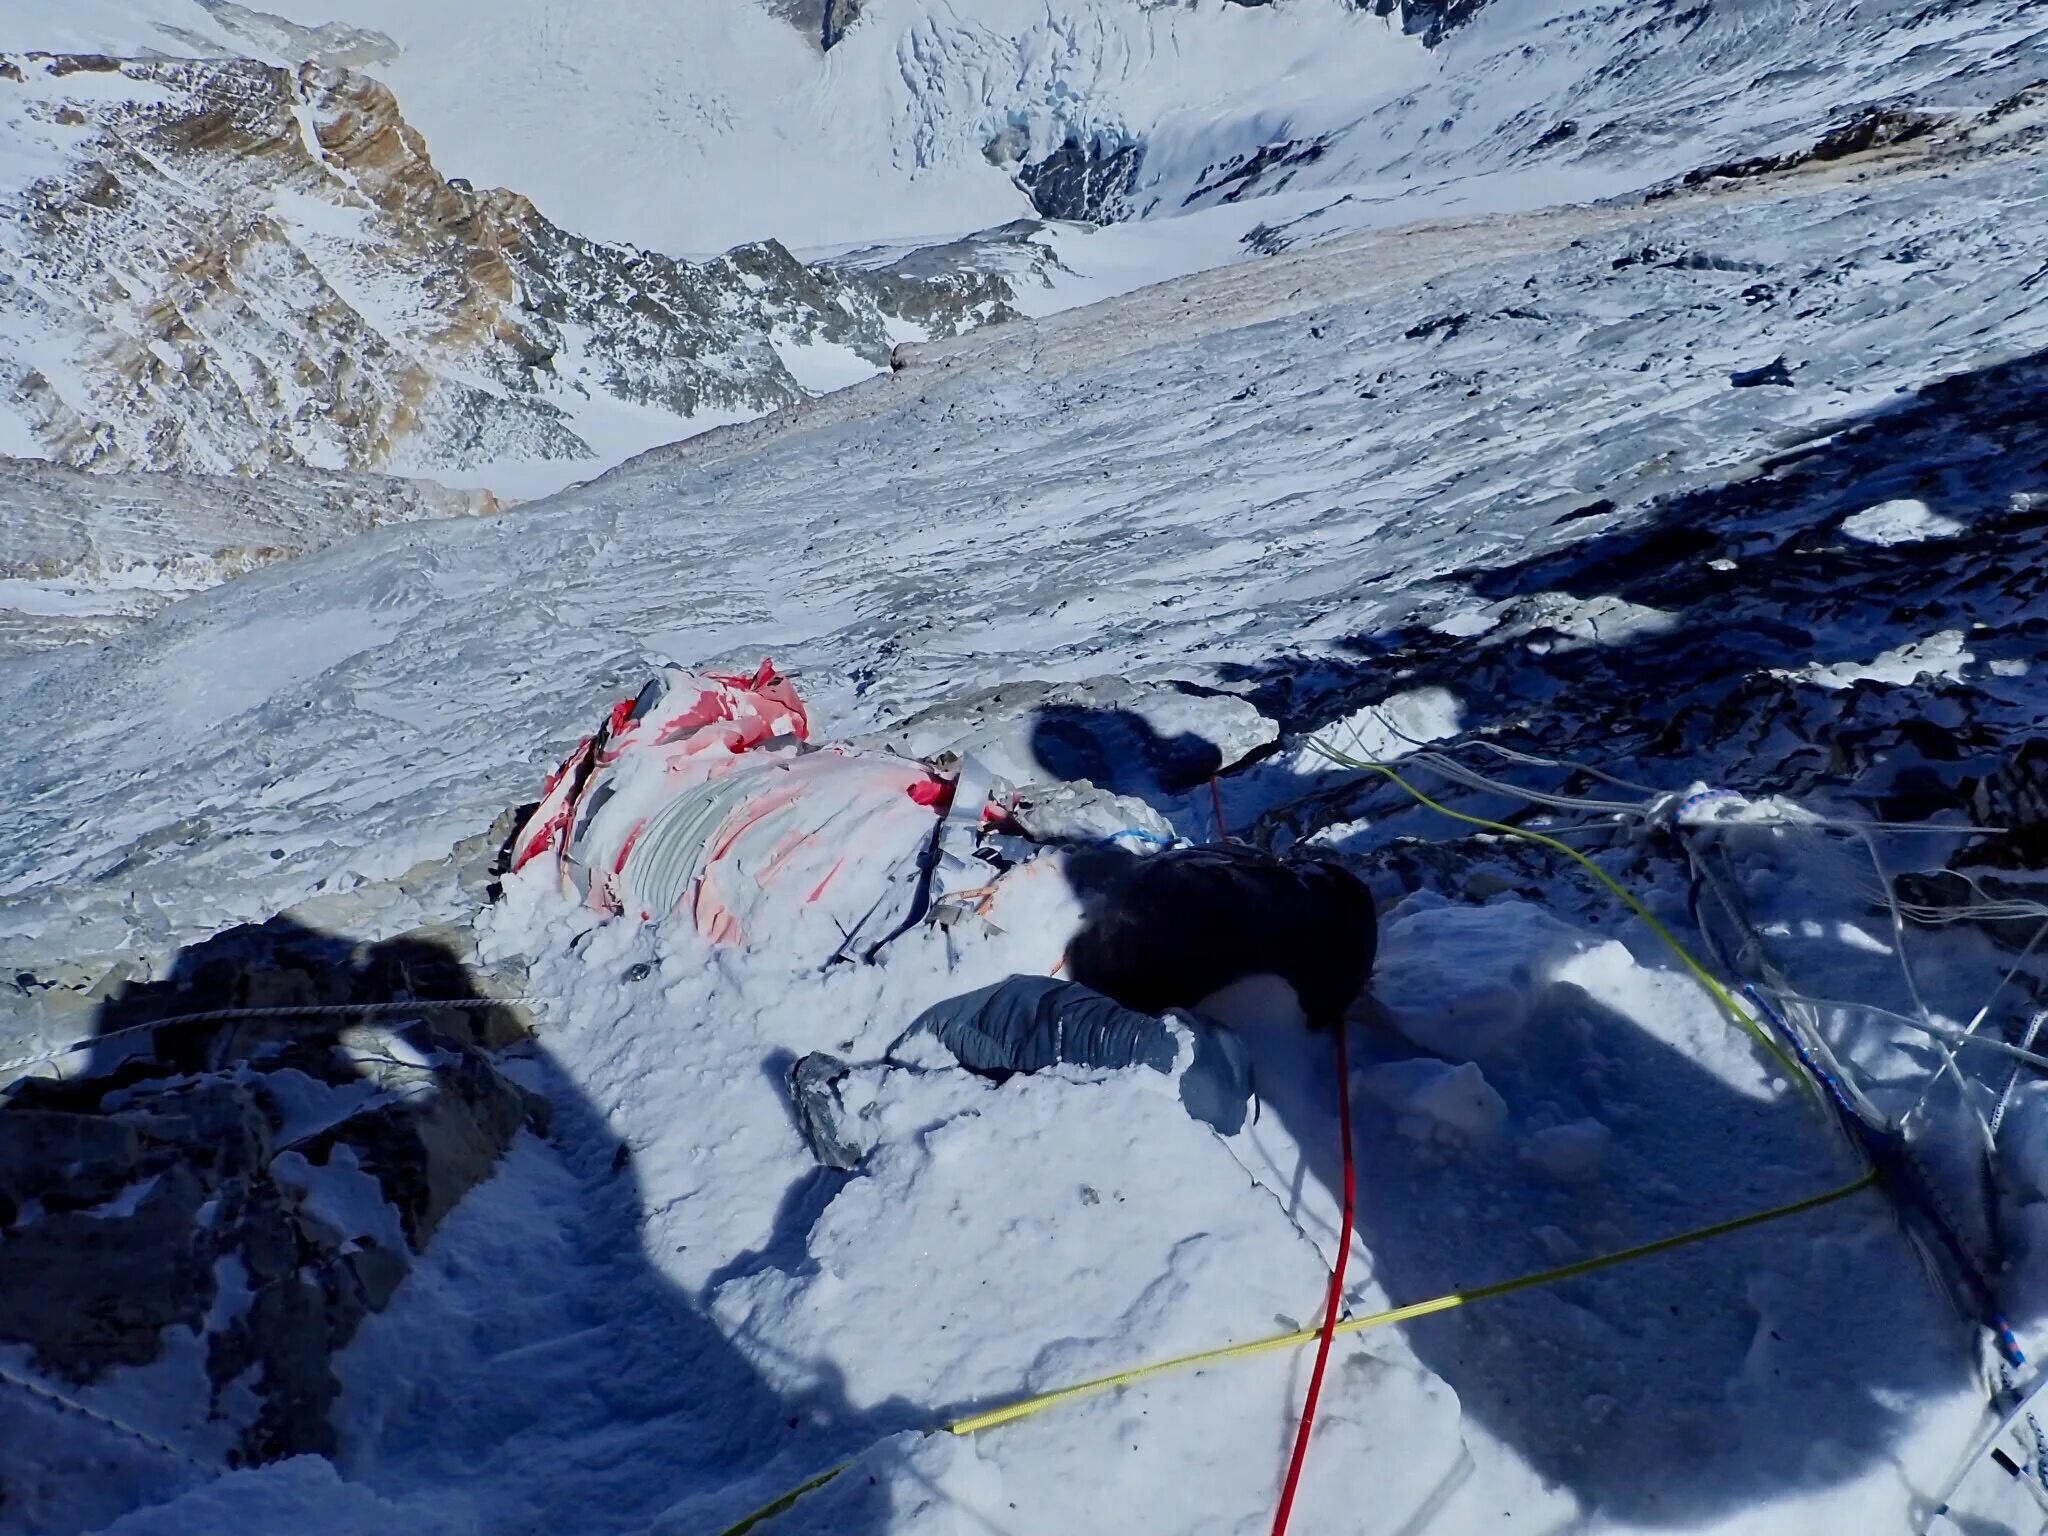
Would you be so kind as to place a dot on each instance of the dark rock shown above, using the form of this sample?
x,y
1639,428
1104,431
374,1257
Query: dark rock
x,y
1245,175
1773,372
1091,183
263,1182
1445,325
1431,20
824,21
1872,128
1592,509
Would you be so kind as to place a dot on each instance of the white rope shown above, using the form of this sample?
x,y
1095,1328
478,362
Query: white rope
x,y
1940,1031
1949,1061
1434,756
1982,1449
279,1011
107,1421
1920,1008
2011,1083
1467,744
1986,906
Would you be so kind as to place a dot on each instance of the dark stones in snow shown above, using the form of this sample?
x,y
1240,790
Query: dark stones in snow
x,y
263,1183
1773,372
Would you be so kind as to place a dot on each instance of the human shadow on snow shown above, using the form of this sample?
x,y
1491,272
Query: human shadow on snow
x,y
276,1181
1671,1391
1119,750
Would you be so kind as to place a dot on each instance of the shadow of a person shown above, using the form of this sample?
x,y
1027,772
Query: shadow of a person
x,y
1675,1390
326,1168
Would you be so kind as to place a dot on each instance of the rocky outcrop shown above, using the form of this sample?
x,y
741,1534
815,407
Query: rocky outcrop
x,y
1090,182
258,1185
1429,19
1266,170
266,35
228,266
824,20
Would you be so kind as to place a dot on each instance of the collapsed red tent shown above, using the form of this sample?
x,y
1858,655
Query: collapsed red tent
x,y
702,794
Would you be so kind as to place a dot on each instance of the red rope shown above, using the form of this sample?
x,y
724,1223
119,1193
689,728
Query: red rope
x,y
1335,1309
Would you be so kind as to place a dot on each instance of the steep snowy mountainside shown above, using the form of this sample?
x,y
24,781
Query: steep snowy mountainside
x,y
1189,479
929,116
749,132
1624,483
85,555
219,266
183,29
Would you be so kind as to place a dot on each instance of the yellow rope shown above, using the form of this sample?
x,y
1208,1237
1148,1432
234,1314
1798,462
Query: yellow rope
x,y
1011,1413
770,1510
1706,978
1405,1314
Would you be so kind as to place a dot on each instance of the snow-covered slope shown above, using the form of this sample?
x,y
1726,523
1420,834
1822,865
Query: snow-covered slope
x,y
692,127
219,266
1008,503
82,555
239,262
1592,481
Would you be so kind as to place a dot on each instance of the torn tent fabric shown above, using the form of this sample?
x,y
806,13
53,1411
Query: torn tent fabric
x,y
701,795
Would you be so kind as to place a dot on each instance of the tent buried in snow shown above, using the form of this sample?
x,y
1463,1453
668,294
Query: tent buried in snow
x,y
703,795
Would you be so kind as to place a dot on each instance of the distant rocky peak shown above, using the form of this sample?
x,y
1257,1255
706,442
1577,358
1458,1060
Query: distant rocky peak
x,y
220,265
261,35
827,20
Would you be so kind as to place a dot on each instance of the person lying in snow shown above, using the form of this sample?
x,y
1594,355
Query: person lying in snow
x,y
1174,930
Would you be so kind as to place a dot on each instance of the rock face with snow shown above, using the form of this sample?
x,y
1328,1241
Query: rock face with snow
x,y
257,1186
83,555
225,266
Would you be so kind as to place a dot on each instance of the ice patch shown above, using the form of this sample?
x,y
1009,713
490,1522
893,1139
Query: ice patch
x,y
1899,522
1939,655
1390,729
1460,981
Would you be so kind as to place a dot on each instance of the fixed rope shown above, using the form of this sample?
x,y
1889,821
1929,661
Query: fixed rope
x,y
1030,1406
1335,1307
273,1011
1722,997
71,1405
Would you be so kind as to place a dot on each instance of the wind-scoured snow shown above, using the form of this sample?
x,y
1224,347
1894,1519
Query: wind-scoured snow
x,y
82,556
1492,472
